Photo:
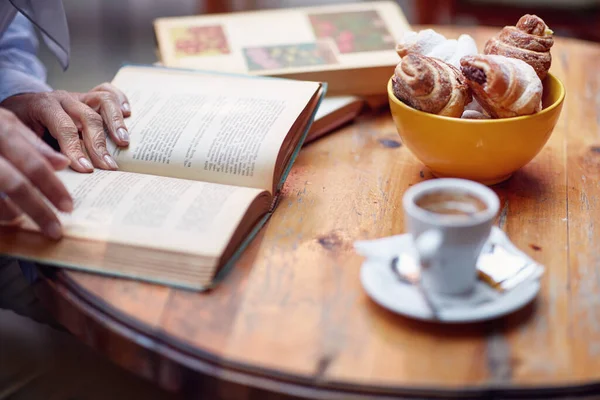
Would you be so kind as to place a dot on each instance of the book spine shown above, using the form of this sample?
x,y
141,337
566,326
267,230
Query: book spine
x,y
302,139
275,202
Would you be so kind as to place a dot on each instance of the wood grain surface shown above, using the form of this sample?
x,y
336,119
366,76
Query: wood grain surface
x,y
292,318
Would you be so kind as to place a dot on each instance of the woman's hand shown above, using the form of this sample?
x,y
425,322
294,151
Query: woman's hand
x,y
66,115
27,177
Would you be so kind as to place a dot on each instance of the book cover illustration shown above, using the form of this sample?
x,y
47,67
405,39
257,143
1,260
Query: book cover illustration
x,y
200,41
289,56
353,31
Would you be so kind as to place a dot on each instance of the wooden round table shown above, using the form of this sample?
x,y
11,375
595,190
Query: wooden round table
x,y
292,319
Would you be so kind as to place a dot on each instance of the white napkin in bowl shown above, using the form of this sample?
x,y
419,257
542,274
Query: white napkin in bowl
x,y
433,44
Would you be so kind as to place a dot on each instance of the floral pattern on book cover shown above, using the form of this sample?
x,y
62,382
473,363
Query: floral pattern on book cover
x,y
290,55
353,31
207,40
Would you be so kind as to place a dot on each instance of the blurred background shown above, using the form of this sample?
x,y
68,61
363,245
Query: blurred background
x,y
107,33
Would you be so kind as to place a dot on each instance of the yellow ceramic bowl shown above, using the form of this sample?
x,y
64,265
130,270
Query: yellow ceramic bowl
x,y
486,151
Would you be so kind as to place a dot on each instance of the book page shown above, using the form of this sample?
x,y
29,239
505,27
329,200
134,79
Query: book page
x,y
153,211
330,105
207,127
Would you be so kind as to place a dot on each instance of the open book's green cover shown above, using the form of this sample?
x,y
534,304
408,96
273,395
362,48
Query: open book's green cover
x,y
222,272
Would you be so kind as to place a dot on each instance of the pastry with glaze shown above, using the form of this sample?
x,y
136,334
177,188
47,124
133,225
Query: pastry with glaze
x,y
431,85
530,40
504,87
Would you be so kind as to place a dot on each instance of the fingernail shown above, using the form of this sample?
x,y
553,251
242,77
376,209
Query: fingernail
x,y
111,162
53,230
66,205
85,163
123,134
126,107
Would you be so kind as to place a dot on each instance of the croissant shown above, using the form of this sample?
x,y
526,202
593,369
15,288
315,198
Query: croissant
x,y
430,85
530,40
504,87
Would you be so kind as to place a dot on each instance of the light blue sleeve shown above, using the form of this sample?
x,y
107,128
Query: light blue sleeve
x,y
21,72
20,69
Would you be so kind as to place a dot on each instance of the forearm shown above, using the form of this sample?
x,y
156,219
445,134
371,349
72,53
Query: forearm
x,y
20,69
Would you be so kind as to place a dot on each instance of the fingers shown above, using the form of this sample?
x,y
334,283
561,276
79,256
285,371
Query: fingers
x,y
64,130
93,133
121,97
57,160
14,149
26,176
21,192
107,105
10,214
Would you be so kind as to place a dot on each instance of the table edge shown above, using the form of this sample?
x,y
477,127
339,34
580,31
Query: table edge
x,y
247,375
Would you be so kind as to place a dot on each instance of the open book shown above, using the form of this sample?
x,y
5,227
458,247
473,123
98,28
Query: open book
x,y
349,46
207,158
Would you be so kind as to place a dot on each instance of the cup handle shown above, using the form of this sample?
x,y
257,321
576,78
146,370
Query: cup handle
x,y
428,244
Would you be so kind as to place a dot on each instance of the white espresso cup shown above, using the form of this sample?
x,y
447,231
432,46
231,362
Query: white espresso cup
x,y
450,220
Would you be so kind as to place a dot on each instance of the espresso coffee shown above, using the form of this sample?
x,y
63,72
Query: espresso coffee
x,y
451,203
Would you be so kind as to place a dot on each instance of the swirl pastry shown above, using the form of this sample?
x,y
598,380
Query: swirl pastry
x,y
530,40
430,85
505,87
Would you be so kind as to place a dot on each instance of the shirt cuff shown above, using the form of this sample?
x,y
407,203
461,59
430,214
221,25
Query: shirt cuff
x,y
13,82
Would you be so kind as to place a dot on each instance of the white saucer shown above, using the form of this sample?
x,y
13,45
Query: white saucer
x,y
383,286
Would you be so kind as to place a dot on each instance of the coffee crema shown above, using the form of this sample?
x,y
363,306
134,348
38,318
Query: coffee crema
x,y
451,203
